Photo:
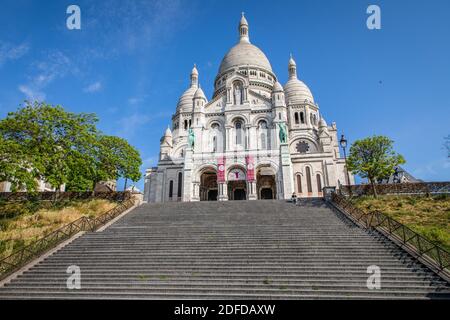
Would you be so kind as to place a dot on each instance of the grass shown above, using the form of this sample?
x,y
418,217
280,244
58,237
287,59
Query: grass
x,y
35,221
428,216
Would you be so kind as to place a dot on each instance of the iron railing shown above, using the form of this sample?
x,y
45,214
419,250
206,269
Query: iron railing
x,y
70,195
421,246
425,188
27,253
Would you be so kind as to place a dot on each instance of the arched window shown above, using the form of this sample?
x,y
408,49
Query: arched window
x,y
302,117
319,183
299,183
180,181
185,124
214,143
296,118
263,135
263,141
171,189
190,123
308,179
216,138
239,133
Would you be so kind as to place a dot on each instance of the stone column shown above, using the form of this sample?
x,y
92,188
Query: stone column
x,y
286,171
196,191
228,138
223,191
251,190
187,176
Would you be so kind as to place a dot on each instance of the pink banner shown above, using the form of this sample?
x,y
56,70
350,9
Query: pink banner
x,y
221,169
250,168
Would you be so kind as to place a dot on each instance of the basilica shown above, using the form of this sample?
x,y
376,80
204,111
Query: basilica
x,y
254,139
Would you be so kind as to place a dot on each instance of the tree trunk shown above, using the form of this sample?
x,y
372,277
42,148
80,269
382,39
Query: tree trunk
x,y
94,183
374,189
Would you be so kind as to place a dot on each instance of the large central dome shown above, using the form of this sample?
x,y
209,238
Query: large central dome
x,y
244,53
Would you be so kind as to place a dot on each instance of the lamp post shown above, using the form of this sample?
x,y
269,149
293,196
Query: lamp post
x,y
343,143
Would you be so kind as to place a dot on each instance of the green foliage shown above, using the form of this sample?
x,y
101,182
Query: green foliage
x,y
373,158
40,141
14,166
117,159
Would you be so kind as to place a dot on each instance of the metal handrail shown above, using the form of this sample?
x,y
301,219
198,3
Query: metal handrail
x,y
25,254
420,245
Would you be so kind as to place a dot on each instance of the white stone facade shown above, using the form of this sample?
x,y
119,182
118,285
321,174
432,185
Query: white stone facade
x,y
238,152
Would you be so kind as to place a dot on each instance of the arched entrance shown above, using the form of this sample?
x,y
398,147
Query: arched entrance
x,y
237,186
208,185
266,183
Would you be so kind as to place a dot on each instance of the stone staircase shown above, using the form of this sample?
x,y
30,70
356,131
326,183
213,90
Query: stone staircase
x,y
230,250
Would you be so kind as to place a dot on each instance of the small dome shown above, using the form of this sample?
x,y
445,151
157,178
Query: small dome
x,y
185,101
277,87
199,94
168,132
297,92
322,123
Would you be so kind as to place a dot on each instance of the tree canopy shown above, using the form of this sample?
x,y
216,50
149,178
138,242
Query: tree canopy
x,y
373,158
41,141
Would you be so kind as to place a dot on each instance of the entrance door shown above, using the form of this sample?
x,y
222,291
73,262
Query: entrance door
x,y
212,195
266,193
239,194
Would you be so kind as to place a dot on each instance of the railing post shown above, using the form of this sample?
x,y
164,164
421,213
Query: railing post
x,y
328,193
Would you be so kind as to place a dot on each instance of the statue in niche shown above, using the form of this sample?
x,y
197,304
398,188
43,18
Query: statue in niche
x,y
283,132
191,138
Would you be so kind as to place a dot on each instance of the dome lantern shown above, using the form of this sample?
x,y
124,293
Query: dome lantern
x,y
296,91
194,76
243,30
292,68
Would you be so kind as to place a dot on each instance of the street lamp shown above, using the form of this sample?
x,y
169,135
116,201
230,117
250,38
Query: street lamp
x,y
343,143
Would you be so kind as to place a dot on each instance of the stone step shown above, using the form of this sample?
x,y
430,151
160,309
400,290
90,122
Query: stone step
x,y
289,288
218,280
218,292
245,250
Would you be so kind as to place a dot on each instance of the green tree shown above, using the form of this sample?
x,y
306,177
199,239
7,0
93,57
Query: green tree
x,y
14,166
50,138
40,141
373,158
117,159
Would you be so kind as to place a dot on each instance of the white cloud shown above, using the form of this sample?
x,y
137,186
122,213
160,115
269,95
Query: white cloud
x,y
32,94
437,169
9,51
136,24
129,125
55,65
135,100
94,87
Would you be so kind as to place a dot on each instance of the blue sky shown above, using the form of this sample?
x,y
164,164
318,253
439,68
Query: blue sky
x,y
131,61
